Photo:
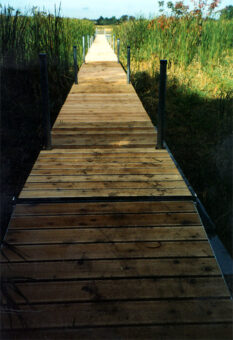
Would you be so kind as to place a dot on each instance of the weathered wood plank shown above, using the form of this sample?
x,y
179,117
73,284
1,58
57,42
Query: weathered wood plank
x,y
104,185
102,88
98,141
102,131
105,178
106,251
113,268
167,163
109,125
104,193
132,234
103,208
105,171
113,220
110,160
99,151
123,289
121,313
167,332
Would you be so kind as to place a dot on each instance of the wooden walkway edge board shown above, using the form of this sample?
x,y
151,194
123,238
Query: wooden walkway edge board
x,y
132,259
166,332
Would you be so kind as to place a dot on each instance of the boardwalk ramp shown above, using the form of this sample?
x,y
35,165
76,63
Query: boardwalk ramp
x,y
106,241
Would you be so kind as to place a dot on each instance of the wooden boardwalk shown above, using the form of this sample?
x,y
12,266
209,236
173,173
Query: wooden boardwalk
x,y
106,242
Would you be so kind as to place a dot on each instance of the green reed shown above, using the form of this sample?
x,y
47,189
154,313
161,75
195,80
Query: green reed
x,y
23,37
198,103
179,40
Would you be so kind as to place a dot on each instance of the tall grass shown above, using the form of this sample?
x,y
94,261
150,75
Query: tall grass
x,y
22,38
179,40
199,100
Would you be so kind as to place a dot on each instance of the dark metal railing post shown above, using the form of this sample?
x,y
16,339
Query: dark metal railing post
x,y
84,51
128,64
75,66
45,100
161,107
118,50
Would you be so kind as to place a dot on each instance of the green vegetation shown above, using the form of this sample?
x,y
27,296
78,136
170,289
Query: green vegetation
x,y
227,13
199,51
22,38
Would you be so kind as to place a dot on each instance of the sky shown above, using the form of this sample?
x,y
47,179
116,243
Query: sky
x,y
93,9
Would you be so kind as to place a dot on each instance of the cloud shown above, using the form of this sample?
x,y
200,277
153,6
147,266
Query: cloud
x,y
85,8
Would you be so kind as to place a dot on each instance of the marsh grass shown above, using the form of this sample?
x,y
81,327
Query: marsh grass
x,y
199,105
22,38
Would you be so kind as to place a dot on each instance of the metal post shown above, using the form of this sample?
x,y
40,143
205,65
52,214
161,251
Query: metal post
x,y
75,66
161,107
45,100
128,64
84,52
118,50
114,43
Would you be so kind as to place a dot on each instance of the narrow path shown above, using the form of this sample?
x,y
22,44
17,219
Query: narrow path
x,y
106,241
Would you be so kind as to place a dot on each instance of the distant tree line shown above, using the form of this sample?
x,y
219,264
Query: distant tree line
x,y
179,9
113,20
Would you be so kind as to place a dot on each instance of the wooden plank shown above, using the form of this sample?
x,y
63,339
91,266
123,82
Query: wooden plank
x,y
113,144
209,331
132,158
104,107
107,156
110,160
101,96
103,131
104,88
95,118
113,220
113,268
97,160
99,151
58,193
103,208
104,178
66,164
110,125
50,236
123,289
121,313
104,185
104,171
106,251
120,140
